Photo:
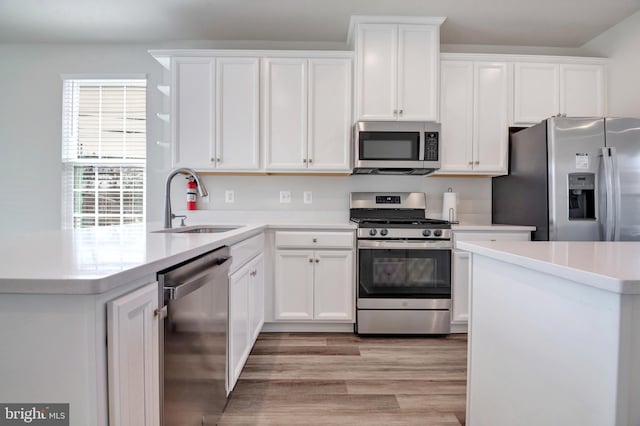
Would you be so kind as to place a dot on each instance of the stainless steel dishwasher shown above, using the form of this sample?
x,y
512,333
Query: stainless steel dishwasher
x,y
193,344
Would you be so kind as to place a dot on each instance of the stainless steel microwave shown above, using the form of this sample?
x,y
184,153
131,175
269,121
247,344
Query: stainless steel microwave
x,y
396,147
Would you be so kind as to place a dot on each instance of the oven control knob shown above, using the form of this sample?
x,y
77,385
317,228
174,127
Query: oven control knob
x,y
437,233
372,232
426,232
384,232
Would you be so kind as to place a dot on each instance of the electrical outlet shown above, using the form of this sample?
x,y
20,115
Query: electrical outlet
x,y
229,196
308,198
285,196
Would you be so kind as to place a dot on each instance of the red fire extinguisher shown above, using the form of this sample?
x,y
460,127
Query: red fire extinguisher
x,y
191,194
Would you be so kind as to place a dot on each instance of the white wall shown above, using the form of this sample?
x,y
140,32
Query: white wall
x,y
30,125
330,195
621,44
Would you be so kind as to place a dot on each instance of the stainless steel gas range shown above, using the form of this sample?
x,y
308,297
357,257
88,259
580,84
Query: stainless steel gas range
x,y
404,265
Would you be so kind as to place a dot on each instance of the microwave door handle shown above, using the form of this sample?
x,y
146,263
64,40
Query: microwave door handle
x,y
422,141
617,196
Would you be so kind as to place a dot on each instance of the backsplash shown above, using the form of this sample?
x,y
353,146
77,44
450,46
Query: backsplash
x,y
257,198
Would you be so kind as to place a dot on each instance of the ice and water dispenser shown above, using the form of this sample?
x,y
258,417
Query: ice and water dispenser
x,y
582,200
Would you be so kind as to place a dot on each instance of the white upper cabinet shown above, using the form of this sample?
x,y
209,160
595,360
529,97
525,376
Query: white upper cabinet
x,y
237,114
397,70
307,114
329,130
536,88
456,114
192,112
215,113
491,118
550,87
285,112
474,117
582,90
418,62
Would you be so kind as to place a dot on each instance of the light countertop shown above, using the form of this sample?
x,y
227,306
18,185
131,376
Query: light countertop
x,y
96,260
611,266
489,227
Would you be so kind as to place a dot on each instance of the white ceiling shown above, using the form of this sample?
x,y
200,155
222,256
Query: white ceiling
x,y
554,23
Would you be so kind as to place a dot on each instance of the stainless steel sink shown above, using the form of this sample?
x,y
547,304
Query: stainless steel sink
x,y
199,229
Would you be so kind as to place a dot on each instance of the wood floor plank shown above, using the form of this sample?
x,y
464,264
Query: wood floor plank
x,y
259,388
343,379
407,387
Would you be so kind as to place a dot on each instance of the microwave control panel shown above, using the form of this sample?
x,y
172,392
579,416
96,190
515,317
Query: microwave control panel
x,y
431,146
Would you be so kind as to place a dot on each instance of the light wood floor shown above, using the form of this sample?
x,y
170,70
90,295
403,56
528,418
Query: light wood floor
x,y
342,379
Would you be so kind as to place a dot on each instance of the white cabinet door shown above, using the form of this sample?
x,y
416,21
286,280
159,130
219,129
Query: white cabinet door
x,y
460,286
256,297
285,113
333,285
418,67
237,113
132,333
239,346
536,94
491,117
329,140
192,115
376,76
294,285
582,92
456,114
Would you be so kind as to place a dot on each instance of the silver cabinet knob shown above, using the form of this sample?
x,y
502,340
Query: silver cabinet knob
x,y
304,160
310,160
471,163
395,111
315,240
317,260
310,260
477,162
219,160
401,111
213,160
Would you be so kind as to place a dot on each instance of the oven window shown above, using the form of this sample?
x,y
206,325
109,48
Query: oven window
x,y
397,273
401,146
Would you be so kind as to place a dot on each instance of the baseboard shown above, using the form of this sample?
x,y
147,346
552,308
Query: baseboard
x,y
459,328
280,327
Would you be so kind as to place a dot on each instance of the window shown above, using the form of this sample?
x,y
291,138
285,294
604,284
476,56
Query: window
x,y
104,140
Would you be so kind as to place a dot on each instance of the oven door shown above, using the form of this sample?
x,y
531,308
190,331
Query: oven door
x,y
404,274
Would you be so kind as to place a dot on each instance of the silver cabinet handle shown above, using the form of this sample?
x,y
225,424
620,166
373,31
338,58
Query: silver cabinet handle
x,y
161,313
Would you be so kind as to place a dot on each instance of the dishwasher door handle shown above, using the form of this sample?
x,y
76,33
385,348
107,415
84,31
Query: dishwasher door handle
x,y
195,282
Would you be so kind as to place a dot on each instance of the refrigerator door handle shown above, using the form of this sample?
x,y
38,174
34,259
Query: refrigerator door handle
x,y
608,194
617,196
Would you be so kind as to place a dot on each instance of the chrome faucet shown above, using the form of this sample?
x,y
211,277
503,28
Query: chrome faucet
x,y
202,190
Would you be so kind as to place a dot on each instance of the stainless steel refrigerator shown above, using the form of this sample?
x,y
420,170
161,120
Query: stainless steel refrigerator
x,y
575,179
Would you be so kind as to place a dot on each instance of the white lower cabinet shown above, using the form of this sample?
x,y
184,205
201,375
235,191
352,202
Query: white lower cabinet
x,y
132,356
314,276
461,268
246,314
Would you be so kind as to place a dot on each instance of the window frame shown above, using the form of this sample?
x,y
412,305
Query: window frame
x,y
70,160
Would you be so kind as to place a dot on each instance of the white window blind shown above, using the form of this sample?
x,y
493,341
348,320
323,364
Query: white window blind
x,y
104,141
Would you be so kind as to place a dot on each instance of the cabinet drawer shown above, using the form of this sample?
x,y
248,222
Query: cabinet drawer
x,y
246,250
491,236
313,240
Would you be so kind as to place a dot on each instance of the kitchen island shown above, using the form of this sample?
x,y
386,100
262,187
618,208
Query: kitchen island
x,y
554,333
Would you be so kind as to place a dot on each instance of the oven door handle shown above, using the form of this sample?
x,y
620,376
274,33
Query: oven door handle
x,y
409,245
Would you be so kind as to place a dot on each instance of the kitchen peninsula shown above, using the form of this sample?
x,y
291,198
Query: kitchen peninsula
x,y
554,333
